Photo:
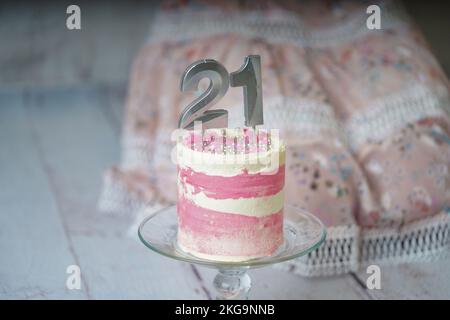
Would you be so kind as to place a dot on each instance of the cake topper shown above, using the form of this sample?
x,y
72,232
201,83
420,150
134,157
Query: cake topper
x,y
248,77
198,110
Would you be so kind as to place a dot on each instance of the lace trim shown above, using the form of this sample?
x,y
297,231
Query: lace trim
x,y
312,119
424,239
135,151
338,255
309,119
116,198
348,250
276,26
390,113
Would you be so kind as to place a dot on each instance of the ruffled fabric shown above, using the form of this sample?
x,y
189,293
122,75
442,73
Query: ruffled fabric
x,y
364,114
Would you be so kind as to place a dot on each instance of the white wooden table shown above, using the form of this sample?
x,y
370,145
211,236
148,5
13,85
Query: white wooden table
x,y
55,144
61,97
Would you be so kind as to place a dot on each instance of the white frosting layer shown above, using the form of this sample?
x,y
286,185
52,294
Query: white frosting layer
x,y
254,207
229,165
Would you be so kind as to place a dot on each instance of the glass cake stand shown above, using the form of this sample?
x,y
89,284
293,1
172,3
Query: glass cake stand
x,y
303,233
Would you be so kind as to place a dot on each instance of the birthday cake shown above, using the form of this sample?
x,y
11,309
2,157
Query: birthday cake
x,y
230,193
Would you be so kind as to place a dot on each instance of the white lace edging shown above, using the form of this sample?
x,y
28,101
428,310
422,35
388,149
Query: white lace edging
x,y
310,118
390,113
348,249
339,254
116,198
135,151
306,118
425,239
277,26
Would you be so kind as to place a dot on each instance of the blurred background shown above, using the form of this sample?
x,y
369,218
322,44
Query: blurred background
x,y
38,50
62,94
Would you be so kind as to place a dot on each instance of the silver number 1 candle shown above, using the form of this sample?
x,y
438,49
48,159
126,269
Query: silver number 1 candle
x,y
249,77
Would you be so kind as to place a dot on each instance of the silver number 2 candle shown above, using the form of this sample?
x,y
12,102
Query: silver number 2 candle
x,y
197,110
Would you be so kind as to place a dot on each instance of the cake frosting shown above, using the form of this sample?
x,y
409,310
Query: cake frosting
x,y
230,193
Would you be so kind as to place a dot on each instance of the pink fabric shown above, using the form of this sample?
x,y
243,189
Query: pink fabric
x,y
409,174
333,169
406,167
324,179
373,67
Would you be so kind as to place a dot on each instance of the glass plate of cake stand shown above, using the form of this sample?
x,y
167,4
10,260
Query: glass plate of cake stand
x,y
303,233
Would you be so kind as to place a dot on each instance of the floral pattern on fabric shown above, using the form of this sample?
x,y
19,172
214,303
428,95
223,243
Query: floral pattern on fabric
x,y
375,66
364,113
324,179
409,175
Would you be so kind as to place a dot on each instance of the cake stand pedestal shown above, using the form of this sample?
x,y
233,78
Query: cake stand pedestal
x,y
303,233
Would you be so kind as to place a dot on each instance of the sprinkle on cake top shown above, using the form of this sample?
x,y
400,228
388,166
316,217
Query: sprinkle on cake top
x,y
229,141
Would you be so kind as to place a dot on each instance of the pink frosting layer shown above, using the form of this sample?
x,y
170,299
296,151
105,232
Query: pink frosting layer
x,y
217,233
244,185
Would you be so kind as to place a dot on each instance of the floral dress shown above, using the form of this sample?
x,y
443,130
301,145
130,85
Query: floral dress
x,y
364,114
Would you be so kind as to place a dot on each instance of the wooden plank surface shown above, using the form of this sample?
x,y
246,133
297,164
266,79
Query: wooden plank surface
x,y
430,280
55,145
35,247
271,283
76,144
41,51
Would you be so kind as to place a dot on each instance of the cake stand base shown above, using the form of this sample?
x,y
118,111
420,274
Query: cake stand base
x,y
302,233
232,284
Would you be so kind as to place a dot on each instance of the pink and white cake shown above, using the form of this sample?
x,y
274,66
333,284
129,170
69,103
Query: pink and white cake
x,y
230,193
